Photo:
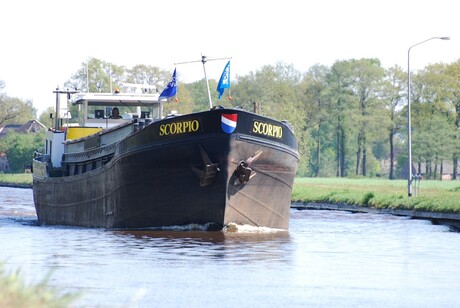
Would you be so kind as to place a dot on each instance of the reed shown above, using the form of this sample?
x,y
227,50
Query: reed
x,y
435,196
14,292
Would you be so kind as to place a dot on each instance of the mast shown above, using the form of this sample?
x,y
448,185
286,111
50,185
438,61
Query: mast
x,y
203,60
57,120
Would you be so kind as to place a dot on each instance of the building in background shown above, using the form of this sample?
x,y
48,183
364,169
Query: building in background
x,y
33,126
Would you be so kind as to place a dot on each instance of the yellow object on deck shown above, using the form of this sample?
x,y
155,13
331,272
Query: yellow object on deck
x,y
80,132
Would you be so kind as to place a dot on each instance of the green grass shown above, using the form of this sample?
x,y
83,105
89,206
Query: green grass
x,y
14,292
16,178
435,196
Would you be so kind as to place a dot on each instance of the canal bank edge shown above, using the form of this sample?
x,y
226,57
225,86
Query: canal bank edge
x,y
450,219
15,185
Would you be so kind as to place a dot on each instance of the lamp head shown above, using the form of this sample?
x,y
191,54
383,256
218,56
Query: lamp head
x,y
446,38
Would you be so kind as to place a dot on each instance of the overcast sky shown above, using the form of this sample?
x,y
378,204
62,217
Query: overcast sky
x,y
44,42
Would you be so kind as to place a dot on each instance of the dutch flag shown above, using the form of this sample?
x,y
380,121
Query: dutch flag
x,y
228,122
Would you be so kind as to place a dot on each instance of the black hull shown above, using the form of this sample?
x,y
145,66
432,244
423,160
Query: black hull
x,y
155,182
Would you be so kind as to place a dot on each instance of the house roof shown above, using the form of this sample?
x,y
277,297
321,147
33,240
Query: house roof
x,y
32,126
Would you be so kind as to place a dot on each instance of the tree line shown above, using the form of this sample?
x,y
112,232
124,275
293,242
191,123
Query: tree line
x,y
18,147
350,118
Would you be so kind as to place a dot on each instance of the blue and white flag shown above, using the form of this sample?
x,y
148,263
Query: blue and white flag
x,y
224,82
171,88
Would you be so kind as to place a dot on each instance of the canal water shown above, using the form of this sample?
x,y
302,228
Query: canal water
x,y
326,259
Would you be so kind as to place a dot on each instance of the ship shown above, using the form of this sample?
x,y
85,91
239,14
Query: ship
x,y
212,168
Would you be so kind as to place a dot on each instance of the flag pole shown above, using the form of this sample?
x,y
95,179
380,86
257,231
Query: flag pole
x,y
203,60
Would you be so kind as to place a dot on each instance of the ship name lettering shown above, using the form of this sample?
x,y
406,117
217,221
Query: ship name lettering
x,y
183,127
267,129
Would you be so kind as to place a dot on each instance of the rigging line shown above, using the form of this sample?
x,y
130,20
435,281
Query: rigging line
x,y
203,59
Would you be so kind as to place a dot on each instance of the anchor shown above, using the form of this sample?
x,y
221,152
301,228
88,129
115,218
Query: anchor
x,y
208,175
243,171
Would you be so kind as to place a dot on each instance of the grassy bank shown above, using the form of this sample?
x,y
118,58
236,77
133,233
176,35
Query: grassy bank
x,y
16,178
435,196
14,292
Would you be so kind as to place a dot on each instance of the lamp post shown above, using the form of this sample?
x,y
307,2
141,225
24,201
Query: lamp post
x,y
409,141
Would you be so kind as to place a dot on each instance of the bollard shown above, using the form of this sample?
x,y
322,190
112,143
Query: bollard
x,y
416,179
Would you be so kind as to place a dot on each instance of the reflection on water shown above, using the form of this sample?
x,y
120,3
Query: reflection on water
x,y
231,246
16,202
326,259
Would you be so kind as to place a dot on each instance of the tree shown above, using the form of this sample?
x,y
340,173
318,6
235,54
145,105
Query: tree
x,y
96,75
313,87
198,94
149,75
275,91
432,142
340,93
45,119
451,80
272,88
367,75
184,103
19,148
394,93
14,110
346,117
433,118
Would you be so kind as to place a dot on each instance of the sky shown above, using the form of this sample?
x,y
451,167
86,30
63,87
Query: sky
x,y
42,43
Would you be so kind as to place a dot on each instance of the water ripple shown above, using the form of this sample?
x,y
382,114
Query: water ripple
x,y
326,258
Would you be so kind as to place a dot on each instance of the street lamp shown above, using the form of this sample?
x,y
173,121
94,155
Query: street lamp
x,y
409,141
